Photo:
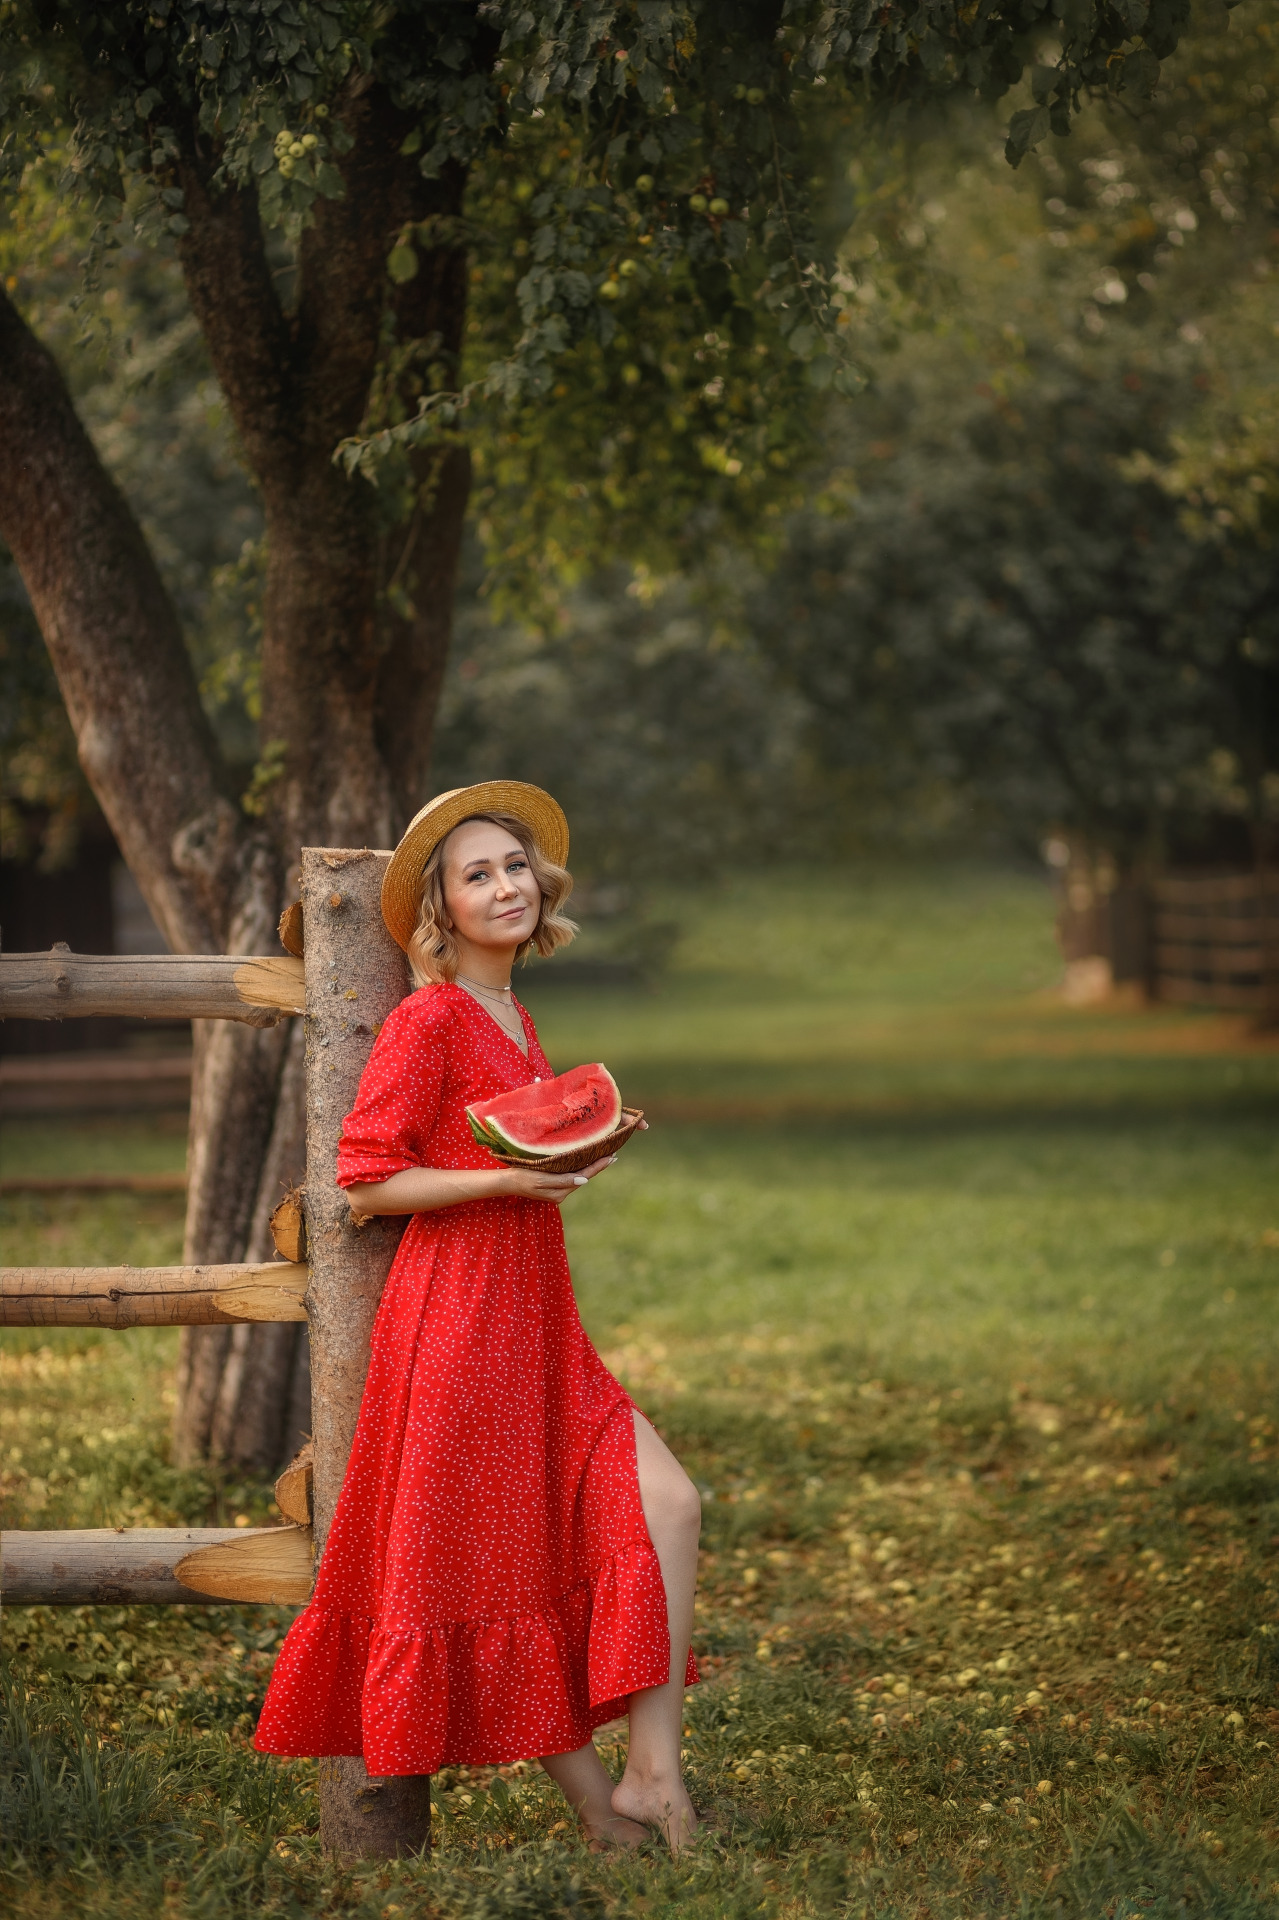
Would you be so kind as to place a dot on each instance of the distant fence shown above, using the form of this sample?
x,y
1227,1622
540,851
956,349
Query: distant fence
x,y
1215,941
1196,940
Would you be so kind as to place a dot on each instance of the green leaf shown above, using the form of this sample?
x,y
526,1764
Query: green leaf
x,y
1025,130
1140,73
402,264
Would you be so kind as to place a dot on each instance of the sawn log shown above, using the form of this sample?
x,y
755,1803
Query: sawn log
x,y
120,1566
60,985
119,1297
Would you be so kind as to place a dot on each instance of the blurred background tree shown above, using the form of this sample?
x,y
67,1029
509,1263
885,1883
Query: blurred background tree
x,y
1044,572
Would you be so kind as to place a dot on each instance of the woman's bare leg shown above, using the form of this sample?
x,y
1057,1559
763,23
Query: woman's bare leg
x,y
583,1780
652,1788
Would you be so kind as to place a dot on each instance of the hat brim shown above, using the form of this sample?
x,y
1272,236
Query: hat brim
x,y
402,881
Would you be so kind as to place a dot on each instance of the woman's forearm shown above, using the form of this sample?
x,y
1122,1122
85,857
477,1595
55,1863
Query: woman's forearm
x,y
425,1190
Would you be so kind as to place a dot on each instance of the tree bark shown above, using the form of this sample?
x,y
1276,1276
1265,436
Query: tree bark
x,y
112,633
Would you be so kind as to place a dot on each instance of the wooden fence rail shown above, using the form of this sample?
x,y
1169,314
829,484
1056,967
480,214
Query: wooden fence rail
x,y
256,989
125,1566
119,1297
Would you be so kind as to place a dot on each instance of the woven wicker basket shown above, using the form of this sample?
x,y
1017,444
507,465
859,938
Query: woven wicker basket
x,y
581,1156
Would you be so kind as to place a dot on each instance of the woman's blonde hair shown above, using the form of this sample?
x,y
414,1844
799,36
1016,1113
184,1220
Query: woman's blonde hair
x,y
434,953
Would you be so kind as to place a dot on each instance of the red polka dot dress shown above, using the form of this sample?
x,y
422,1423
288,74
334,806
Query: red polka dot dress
x,y
488,1591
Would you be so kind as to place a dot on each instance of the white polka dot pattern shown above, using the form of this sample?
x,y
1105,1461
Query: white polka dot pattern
x,y
488,1591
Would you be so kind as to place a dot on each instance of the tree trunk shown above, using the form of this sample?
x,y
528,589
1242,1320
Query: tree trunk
x,y
356,634
351,675
116,646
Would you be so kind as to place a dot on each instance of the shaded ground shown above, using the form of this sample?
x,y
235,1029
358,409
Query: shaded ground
x,y
976,1368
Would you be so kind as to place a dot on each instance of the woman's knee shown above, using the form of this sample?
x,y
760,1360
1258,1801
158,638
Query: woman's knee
x,y
683,1504
668,1496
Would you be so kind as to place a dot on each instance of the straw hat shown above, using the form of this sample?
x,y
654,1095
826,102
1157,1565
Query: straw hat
x,y
402,882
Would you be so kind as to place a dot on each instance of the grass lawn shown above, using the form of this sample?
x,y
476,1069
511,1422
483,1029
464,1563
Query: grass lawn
x,y
959,1305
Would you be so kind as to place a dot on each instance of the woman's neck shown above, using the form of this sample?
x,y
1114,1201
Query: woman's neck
x,y
486,966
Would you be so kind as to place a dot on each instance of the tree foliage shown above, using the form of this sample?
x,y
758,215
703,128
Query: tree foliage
x,y
1047,568
648,166
1053,517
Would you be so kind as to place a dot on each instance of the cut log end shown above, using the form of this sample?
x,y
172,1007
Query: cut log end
x,y
271,983
274,1566
293,1488
290,930
288,1227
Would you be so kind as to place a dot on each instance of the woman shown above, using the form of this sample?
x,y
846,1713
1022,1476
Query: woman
x,y
513,1557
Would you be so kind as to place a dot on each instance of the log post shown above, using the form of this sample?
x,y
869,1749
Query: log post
x,y
355,976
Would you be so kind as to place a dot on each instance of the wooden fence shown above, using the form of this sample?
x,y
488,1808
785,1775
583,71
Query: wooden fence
x,y
1215,941
1203,940
345,974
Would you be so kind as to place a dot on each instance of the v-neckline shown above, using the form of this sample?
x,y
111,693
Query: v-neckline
x,y
526,1057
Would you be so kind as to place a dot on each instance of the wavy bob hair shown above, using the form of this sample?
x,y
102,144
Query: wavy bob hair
x,y
432,950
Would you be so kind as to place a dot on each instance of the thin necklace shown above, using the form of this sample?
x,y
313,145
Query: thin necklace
x,y
515,1035
479,985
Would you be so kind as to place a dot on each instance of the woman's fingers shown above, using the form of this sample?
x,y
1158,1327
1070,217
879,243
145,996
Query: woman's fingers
x,y
560,1186
598,1166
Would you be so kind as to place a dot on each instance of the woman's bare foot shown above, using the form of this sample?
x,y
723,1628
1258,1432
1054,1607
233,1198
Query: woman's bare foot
x,y
605,1835
584,1781
657,1802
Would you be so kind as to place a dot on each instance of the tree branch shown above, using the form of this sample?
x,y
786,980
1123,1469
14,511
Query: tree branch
x,y
144,741
233,297
431,307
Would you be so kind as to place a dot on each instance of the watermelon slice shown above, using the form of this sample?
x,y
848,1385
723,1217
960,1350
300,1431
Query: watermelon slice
x,y
572,1110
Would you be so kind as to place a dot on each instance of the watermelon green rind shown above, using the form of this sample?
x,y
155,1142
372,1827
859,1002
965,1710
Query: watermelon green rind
x,y
483,1138
549,1117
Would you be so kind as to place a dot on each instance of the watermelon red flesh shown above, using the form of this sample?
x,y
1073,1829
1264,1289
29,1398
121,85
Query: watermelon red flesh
x,y
574,1109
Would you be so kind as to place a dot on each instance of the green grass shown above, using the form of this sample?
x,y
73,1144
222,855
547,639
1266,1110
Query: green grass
x,y
960,1307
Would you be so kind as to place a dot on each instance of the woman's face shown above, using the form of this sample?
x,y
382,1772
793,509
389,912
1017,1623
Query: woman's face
x,y
491,893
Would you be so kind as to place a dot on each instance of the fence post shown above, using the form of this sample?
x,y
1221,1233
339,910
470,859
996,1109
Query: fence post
x,y
355,975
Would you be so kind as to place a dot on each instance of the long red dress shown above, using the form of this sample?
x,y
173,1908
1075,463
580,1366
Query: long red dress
x,y
488,1591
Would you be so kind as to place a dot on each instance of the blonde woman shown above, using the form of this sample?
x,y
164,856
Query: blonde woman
x,y
513,1558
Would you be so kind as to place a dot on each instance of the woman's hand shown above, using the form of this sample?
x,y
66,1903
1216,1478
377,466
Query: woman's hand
x,y
526,1183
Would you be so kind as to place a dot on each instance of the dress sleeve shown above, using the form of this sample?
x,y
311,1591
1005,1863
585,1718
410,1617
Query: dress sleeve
x,y
390,1125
